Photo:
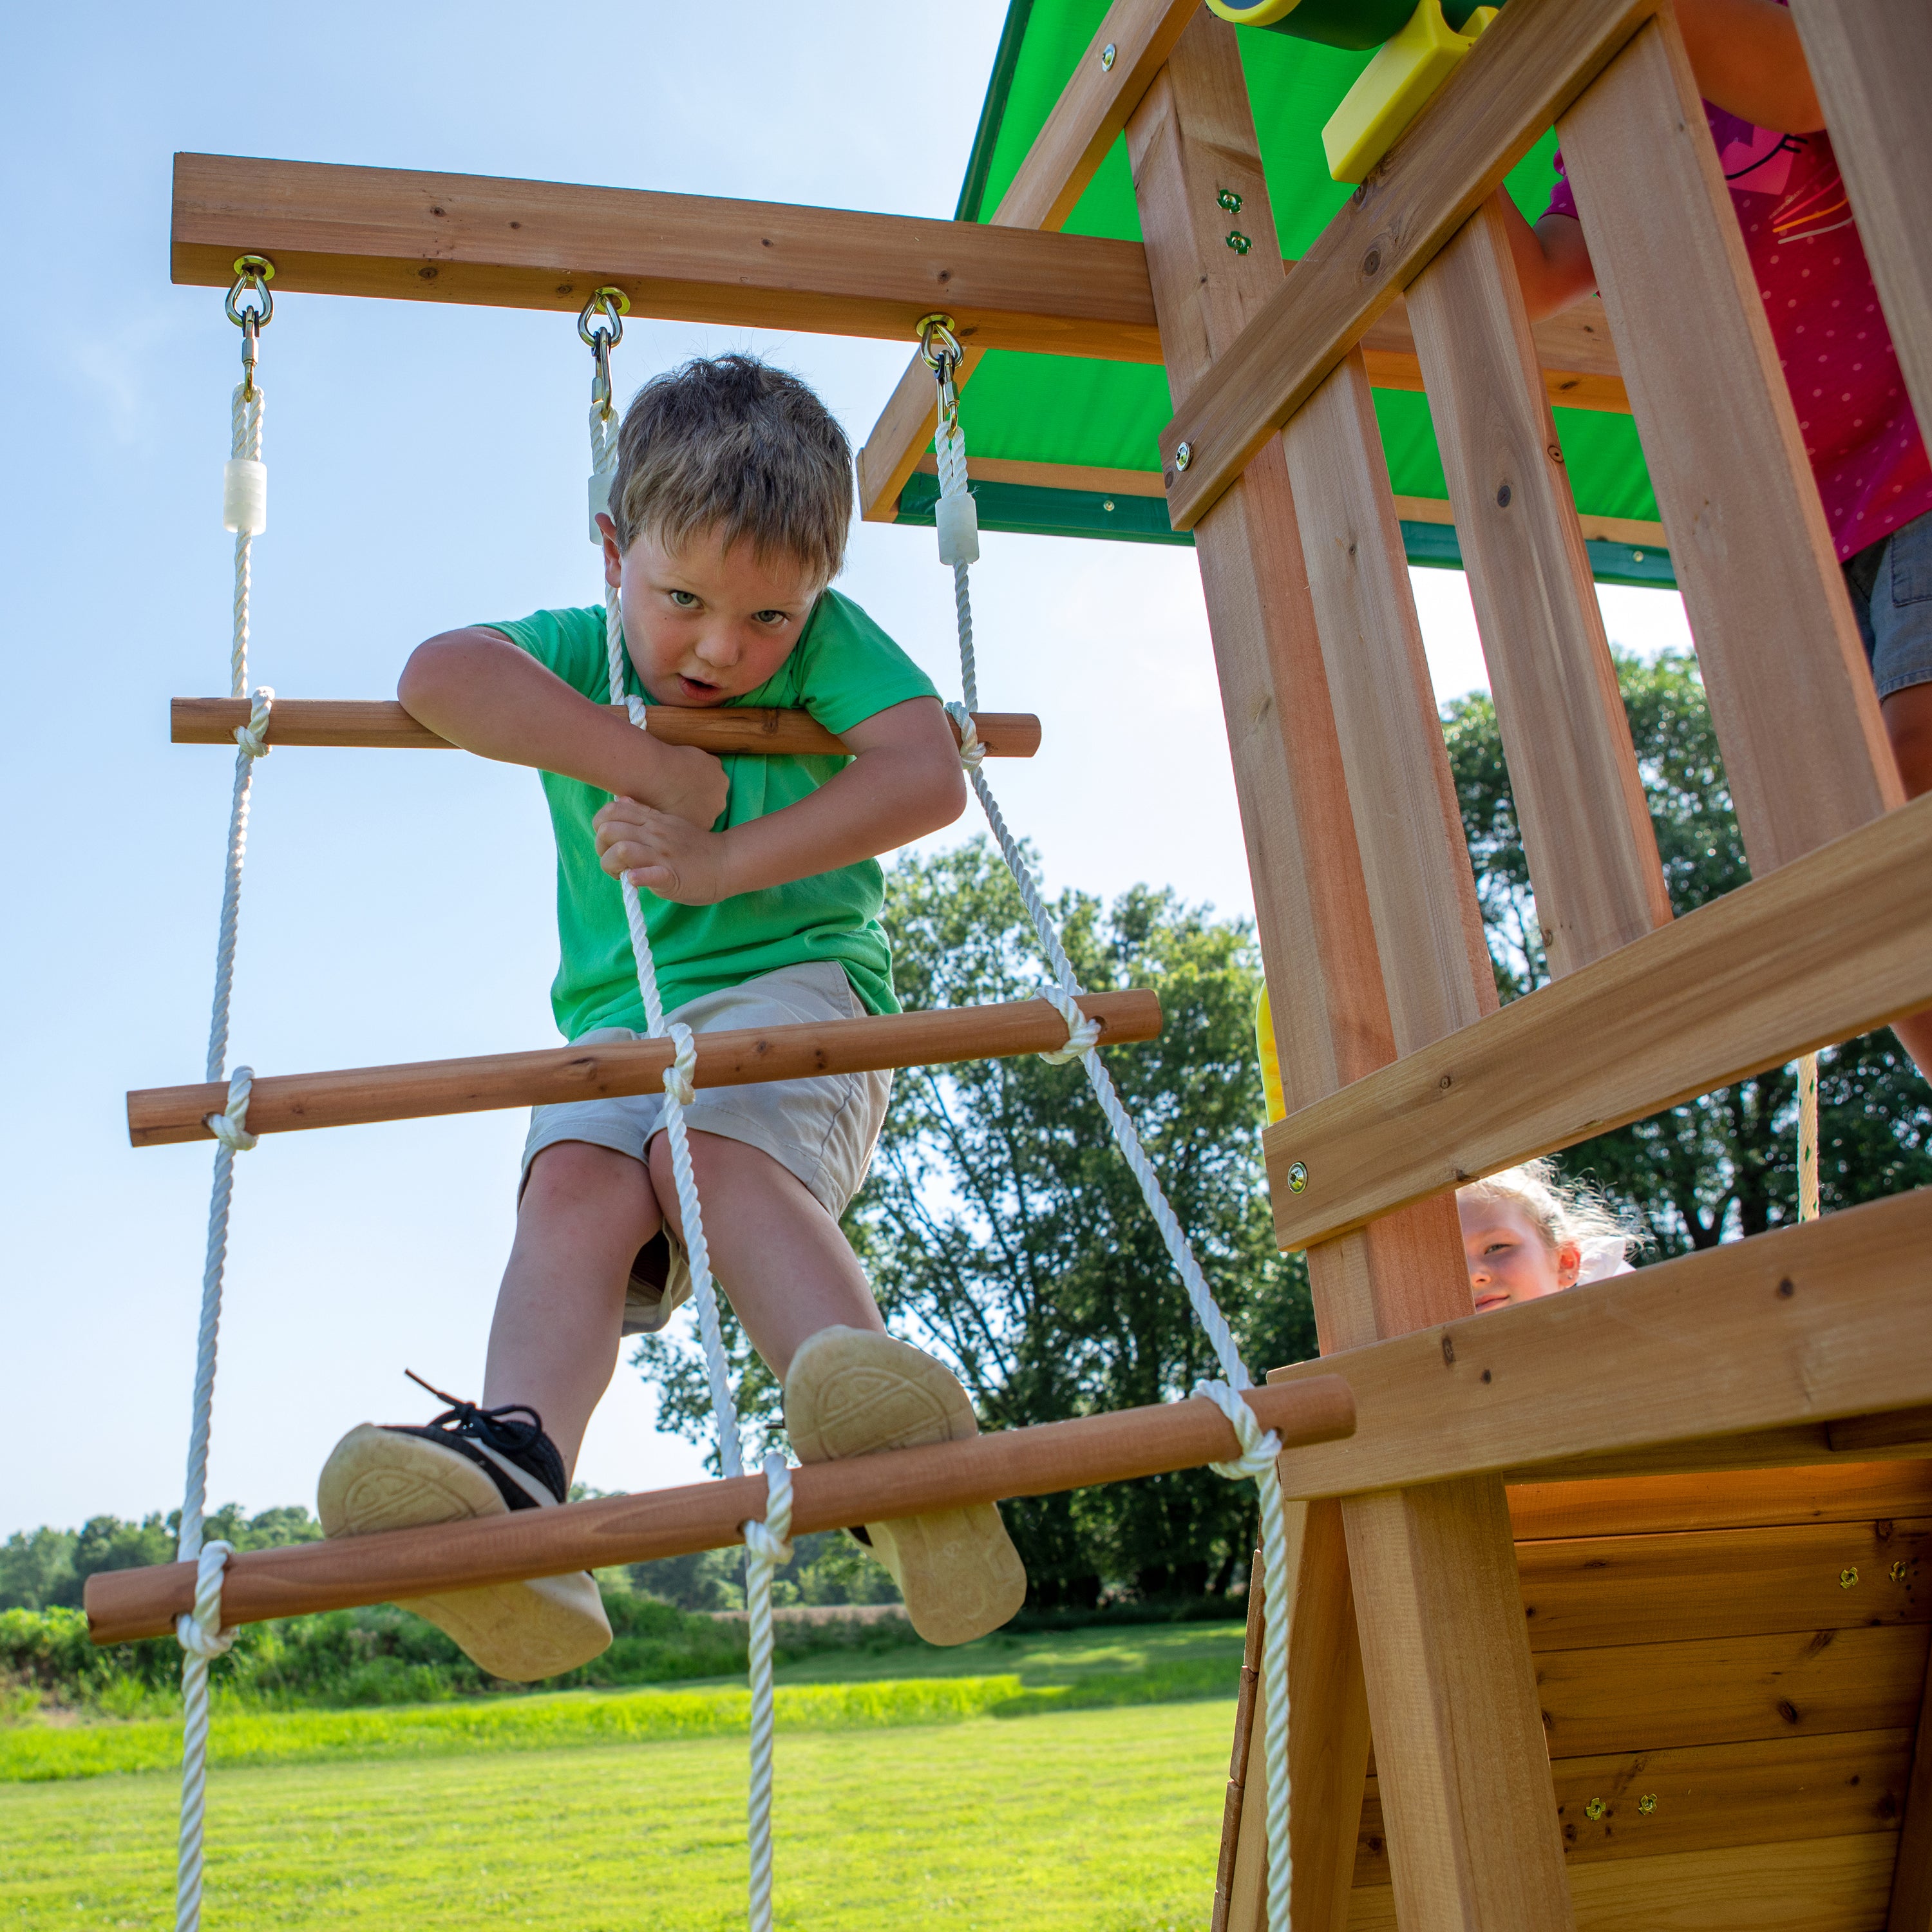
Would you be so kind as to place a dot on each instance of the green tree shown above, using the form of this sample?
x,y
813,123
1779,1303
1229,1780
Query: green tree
x,y
1001,1229
1725,1164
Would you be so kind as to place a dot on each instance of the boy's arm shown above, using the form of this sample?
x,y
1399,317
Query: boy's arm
x,y
904,781
477,689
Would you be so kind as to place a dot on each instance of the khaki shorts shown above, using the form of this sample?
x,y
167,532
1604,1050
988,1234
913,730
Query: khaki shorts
x,y
822,1129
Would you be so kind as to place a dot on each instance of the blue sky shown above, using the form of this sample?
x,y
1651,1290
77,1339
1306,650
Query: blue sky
x,y
426,470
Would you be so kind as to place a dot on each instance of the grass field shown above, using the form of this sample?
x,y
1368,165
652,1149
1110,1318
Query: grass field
x,y
1104,1818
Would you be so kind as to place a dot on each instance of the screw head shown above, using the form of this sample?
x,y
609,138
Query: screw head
x,y
1846,1578
1647,1804
1595,1809
1230,200
1237,240
1899,1572
1106,503
1109,54
1298,1178
1503,497
1184,456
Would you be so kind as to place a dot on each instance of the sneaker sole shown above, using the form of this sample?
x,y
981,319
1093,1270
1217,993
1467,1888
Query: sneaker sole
x,y
851,1392
376,1480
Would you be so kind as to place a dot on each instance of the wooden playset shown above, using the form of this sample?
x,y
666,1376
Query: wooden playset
x,y
1626,1585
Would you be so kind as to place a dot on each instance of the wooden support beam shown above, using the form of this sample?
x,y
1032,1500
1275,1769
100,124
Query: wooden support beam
x,y
293,1581
1805,755
1586,828
738,1057
1086,121
407,235
1519,76
1800,1325
383,725
1824,949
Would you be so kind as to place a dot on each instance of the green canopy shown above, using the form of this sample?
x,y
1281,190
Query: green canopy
x,y
1062,409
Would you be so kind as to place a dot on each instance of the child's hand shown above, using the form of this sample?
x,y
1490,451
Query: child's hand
x,y
661,853
693,785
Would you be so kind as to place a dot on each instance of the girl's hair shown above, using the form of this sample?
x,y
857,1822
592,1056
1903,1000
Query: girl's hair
x,y
1562,1211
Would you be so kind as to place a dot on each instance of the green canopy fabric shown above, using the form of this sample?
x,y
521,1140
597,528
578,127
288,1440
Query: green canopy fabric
x,y
1064,409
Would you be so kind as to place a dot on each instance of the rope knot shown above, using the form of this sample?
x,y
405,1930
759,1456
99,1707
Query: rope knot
x,y
972,753
1259,1446
253,737
200,1631
678,1082
227,1127
640,711
1082,1034
767,1541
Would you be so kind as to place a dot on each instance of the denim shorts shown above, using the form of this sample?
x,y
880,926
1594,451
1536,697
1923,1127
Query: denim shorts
x,y
1891,583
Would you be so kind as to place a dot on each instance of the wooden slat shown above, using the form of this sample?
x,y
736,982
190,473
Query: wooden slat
x,y
1808,1885
738,1057
292,1581
402,234
1791,697
1519,76
1795,1446
1871,64
1610,529
1086,120
1053,475
1708,1797
1730,1690
1803,1323
1577,364
1829,947
1636,1507
383,725
1586,829
1911,1904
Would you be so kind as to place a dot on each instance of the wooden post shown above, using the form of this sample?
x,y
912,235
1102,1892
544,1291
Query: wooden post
x,y
1585,823
1192,136
1790,693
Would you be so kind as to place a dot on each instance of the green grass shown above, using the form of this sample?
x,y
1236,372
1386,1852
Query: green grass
x,y
1106,1820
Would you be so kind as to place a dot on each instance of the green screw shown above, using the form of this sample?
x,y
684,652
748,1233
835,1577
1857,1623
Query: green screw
x,y
1239,242
1230,200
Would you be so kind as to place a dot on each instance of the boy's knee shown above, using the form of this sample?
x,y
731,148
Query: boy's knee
x,y
572,1178
1908,723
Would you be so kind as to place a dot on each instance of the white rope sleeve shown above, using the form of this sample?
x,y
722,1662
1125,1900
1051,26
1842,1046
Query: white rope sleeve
x,y
765,1549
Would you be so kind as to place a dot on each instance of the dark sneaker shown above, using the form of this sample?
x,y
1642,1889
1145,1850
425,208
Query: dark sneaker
x,y
471,1461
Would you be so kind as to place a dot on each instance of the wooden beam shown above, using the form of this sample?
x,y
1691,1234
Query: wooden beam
x,y
1805,755
738,1057
1824,948
1586,830
383,725
1066,153
1519,76
1802,1445
406,236
293,1581
1089,477
1577,364
1910,1908
1799,1325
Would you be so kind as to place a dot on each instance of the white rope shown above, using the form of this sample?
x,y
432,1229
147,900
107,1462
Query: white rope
x,y
1259,1448
200,1634
766,1550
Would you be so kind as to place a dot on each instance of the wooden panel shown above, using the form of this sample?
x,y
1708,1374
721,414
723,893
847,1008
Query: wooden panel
x,y
1588,1592
405,234
1636,1507
1911,1905
1707,1797
1810,1885
1831,946
1796,1445
1422,894
1086,120
1871,64
383,725
1586,828
1799,1323
1791,696
1731,1690
735,1057
1519,76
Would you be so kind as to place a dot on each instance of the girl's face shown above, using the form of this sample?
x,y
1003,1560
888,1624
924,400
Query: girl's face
x,y
1509,1260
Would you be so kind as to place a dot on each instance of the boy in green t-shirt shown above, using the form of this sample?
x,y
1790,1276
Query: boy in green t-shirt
x,y
761,892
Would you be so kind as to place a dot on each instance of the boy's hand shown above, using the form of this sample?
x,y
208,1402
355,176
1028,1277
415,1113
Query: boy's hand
x,y
689,784
661,853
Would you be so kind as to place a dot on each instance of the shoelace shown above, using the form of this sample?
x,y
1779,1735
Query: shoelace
x,y
490,1426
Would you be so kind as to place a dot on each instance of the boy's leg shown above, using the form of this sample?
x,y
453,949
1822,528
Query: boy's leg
x,y
586,1211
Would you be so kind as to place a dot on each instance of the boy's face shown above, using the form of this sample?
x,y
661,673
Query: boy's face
x,y
1509,1260
703,623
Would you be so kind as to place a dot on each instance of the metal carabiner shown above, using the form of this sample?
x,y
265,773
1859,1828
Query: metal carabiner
x,y
614,305
253,274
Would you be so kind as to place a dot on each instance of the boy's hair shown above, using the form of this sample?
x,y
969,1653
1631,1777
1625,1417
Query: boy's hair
x,y
1562,1211
729,442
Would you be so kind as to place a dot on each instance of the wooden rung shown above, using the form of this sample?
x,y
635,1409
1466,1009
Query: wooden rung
x,y
383,725
743,1057
124,1604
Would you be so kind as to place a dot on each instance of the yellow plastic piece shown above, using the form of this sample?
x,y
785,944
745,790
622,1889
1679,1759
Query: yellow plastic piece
x,y
1393,88
1277,1101
1255,13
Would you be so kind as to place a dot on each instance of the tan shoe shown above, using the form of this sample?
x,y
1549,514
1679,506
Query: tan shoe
x,y
850,1392
470,1462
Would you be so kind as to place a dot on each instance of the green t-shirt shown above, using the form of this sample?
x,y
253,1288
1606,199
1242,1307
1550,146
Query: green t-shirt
x,y
843,669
